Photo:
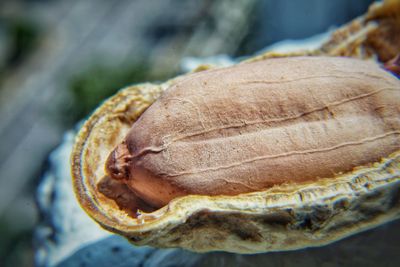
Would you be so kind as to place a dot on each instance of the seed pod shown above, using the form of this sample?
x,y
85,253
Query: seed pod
x,y
253,126
331,126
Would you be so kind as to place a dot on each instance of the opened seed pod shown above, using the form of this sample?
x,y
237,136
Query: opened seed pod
x,y
274,154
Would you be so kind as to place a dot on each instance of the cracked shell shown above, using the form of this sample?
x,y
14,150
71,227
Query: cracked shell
x,y
284,217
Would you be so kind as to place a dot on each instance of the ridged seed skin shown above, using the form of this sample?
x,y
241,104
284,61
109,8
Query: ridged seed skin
x,y
255,125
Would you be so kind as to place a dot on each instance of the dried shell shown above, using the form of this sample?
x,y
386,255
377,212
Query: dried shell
x,y
284,217
281,218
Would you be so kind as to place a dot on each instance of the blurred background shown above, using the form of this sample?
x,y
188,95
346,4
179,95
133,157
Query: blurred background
x,y
60,58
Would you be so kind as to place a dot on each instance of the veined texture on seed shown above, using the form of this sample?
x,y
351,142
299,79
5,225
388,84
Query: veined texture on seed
x,y
255,125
